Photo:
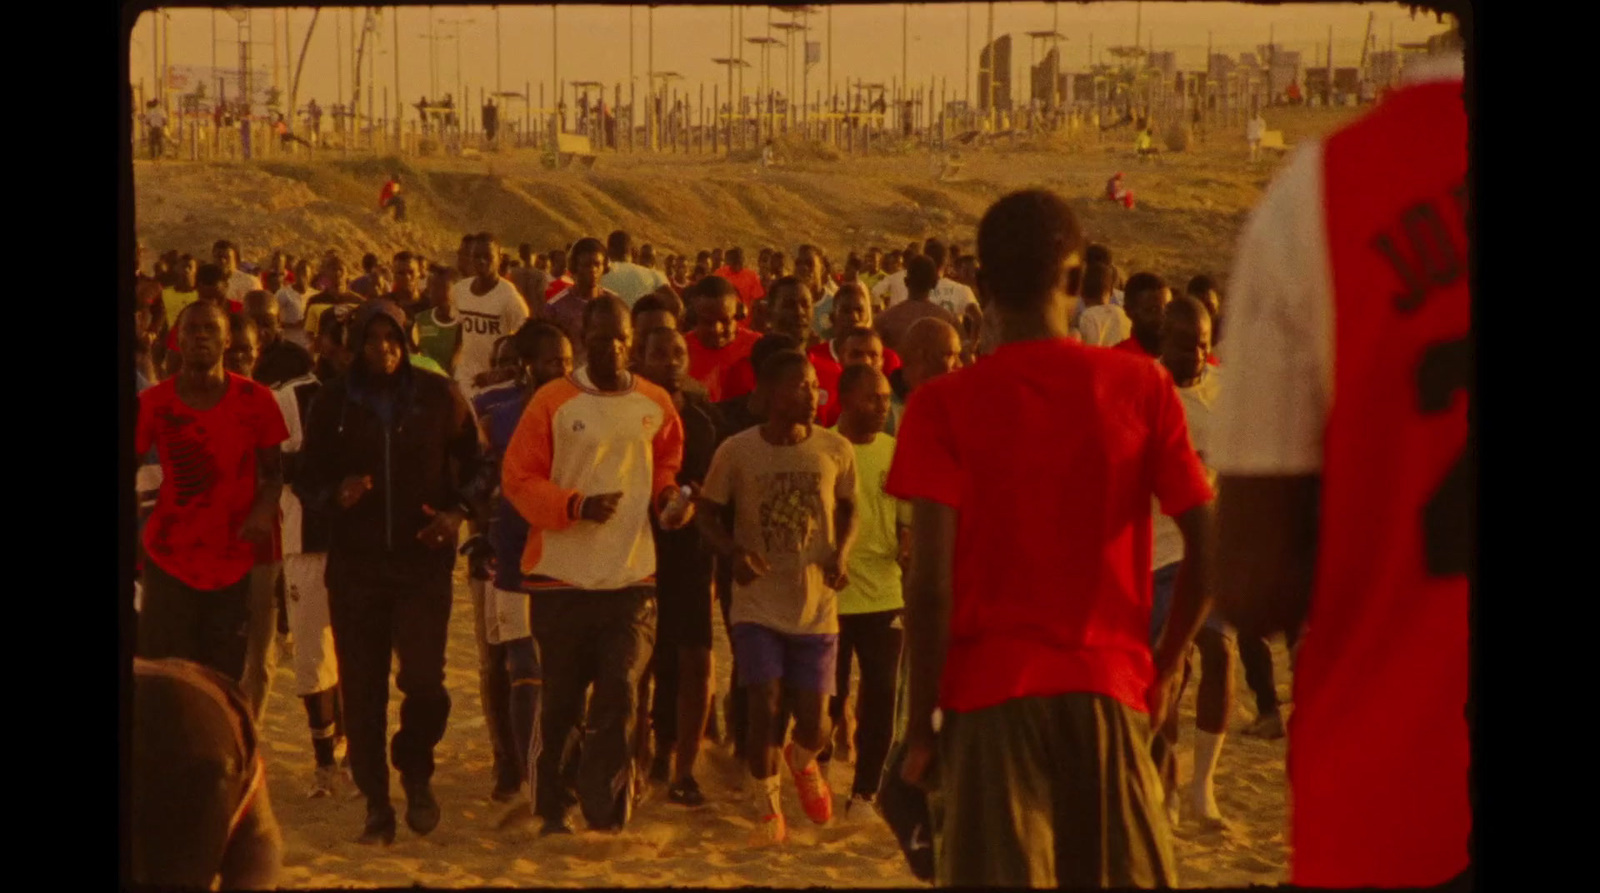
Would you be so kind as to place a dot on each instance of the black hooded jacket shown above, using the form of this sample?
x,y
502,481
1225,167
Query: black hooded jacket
x,y
426,457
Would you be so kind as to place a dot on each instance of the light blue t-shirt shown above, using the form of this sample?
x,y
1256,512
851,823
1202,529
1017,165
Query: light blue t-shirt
x,y
631,282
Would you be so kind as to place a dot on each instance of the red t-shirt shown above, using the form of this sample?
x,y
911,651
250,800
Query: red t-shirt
x,y
1051,452
706,366
208,483
828,369
557,286
1379,755
738,379
1132,345
746,281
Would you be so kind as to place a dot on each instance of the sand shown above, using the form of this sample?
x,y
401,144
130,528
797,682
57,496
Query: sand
x,y
1190,210
667,844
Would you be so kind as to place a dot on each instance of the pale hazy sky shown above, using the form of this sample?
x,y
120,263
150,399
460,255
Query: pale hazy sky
x,y
867,38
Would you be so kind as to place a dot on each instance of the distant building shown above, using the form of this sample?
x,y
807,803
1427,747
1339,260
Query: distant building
x,y
1165,62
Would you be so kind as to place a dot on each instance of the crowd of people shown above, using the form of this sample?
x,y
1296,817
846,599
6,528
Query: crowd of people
x,y
1002,513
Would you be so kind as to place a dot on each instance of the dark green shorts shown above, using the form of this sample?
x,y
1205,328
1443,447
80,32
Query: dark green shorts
x,y
1051,792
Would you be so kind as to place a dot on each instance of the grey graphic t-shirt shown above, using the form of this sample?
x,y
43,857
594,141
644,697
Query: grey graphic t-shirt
x,y
784,499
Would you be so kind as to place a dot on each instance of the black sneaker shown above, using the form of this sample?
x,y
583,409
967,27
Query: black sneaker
x,y
380,826
661,768
686,793
422,810
560,825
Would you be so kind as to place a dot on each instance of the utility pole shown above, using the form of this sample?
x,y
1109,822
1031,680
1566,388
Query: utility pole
x,y
166,55
433,60
555,71
632,32
830,49
155,50
905,45
399,104
499,71
992,55
650,122
967,56
338,61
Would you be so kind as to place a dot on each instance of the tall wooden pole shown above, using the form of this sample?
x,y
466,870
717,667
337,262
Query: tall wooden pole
x,y
399,101
555,71
499,72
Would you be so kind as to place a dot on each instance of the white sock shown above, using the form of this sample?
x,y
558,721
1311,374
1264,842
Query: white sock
x,y
768,795
803,755
1202,790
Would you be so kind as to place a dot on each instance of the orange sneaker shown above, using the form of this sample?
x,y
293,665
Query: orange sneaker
x,y
771,829
815,796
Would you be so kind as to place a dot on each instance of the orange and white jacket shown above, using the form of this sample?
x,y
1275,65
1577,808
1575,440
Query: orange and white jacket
x,y
575,441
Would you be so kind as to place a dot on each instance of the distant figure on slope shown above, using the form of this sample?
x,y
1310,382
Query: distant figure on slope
x,y
390,197
1116,192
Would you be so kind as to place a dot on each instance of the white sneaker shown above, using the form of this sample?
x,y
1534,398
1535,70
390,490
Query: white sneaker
x,y
859,807
325,783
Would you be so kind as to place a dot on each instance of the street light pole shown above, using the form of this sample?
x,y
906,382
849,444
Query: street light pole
x,y
499,71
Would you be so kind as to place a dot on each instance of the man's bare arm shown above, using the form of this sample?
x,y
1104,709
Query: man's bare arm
x,y
929,593
708,520
1191,597
1266,551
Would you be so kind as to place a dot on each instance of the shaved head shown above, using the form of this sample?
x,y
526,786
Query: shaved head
x,y
930,348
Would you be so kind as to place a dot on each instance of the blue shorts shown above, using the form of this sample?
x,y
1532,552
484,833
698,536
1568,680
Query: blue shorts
x,y
1164,585
804,663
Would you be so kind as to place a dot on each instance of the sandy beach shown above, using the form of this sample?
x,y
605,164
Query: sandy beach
x,y
669,845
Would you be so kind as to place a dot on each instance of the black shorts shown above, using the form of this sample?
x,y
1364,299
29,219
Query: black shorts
x,y
683,590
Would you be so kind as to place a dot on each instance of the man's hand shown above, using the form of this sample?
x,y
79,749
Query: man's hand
x,y
441,529
916,768
600,508
1158,698
836,571
257,526
671,520
352,488
748,567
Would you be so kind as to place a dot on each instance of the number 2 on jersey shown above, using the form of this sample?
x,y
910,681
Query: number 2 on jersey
x,y
1448,513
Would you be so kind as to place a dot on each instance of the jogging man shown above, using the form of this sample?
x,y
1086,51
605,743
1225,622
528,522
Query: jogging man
x,y
594,456
792,486
392,454
217,436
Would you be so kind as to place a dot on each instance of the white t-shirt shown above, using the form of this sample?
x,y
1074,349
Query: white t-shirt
x,y
892,287
288,504
292,305
631,281
1104,325
241,284
1254,129
1279,351
1199,403
485,319
951,295
155,118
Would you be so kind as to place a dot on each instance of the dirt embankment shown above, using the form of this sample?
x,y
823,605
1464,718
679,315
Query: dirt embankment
x,y
1190,206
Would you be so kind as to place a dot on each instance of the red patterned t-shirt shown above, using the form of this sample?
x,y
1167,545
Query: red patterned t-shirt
x,y
208,478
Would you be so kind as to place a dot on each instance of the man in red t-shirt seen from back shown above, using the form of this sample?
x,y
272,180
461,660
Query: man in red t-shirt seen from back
x,y
1031,668
716,342
1145,300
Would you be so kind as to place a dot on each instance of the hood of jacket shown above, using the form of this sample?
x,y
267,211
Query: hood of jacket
x,y
361,324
